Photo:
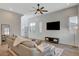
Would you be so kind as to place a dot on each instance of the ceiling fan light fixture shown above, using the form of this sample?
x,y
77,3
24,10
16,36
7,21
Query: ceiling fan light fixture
x,y
39,10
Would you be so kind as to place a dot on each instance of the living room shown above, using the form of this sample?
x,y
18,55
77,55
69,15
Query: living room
x,y
27,23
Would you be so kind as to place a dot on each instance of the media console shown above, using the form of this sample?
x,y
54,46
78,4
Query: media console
x,y
53,40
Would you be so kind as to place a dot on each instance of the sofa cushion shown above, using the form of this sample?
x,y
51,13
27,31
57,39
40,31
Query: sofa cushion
x,y
29,44
38,42
42,47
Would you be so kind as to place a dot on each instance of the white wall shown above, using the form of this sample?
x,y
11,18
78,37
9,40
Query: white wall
x,y
0,40
77,35
13,19
65,36
25,25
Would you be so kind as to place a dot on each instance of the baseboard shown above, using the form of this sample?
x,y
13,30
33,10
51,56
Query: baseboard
x,y
70,45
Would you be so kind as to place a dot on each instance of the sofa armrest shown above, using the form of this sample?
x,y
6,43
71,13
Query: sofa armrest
x,y
12,52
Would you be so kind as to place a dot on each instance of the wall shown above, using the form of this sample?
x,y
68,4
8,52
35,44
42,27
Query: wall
x,y
25,25
65,36
77,35
13,19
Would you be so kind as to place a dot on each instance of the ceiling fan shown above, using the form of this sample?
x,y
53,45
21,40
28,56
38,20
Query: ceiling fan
x,y
39,9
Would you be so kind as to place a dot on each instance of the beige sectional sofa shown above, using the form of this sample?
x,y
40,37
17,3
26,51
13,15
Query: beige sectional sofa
x,y
23,49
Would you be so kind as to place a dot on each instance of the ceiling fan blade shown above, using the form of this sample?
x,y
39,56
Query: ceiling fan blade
x,y
36,12
41,12
44,10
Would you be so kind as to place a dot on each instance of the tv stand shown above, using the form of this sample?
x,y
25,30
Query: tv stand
x,y
53,40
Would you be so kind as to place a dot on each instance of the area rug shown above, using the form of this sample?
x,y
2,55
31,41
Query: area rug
x,y
58,51
49,50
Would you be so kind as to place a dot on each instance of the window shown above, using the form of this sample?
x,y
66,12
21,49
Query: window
x,y
32,24
73,22
32,27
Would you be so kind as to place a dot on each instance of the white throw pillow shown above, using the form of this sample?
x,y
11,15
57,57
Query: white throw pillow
x,y
42,47
19,40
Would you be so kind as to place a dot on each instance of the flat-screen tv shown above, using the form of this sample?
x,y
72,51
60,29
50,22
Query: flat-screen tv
x,y
53,25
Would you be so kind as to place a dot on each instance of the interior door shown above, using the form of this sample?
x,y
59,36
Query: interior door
x,y
5,31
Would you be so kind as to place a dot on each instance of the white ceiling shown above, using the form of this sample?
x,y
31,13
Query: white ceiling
x,y
26,8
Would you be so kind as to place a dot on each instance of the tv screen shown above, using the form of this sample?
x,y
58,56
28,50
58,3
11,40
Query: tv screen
x,y
53,25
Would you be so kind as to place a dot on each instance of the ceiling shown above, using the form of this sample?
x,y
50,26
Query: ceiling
x,y
26,8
